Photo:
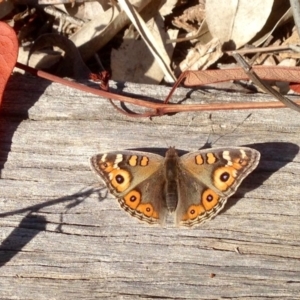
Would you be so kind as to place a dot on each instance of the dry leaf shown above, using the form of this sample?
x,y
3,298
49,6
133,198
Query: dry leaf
x,y
202,56
134,62
85,10
98,32
285,17
152,39
237,21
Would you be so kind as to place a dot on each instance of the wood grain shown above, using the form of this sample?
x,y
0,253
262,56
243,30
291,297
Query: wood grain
x,y
64,237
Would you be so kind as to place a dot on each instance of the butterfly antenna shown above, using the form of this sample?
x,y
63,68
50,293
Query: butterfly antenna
x,y
160,133
234,130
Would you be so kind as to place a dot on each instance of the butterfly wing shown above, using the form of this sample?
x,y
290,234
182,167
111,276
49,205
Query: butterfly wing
x,y
137,180
207,178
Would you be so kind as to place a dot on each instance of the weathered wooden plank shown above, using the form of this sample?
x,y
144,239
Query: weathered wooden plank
x,y
63,240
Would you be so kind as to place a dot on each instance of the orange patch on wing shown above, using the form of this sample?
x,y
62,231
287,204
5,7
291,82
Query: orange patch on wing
x,y
144,161
199,159
120,179
239,163
147,210
224,177
133,160
106,166
133,199
209,199
211,158
193,212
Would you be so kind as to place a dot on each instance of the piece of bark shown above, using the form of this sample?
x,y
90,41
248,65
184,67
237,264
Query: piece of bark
x,y
62,240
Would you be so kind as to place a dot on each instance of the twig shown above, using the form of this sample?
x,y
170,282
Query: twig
x,y
264,86
159,109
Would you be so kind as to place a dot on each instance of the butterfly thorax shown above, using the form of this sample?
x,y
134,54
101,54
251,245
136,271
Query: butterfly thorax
x,y
171,176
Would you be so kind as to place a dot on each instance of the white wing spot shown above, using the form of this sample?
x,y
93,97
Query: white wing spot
x,y
103,158
243,153
226,156
119,158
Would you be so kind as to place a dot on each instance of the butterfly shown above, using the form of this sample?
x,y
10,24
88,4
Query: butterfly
x,y
194,187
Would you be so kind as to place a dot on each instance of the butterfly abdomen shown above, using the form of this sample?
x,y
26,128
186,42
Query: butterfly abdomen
x,y
171,175
171,195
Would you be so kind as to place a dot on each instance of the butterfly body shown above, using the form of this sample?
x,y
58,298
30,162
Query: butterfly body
x,y
195,186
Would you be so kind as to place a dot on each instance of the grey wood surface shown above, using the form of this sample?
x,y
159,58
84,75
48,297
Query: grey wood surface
x,y
62,238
